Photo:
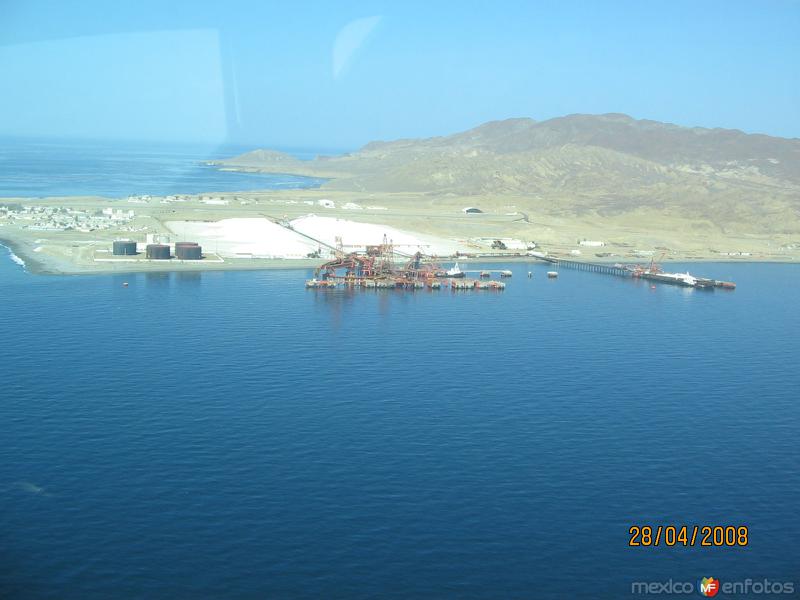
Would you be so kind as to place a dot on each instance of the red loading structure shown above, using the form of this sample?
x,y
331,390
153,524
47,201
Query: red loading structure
x,y
375,268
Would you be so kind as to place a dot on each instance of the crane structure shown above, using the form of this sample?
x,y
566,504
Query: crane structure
x,y
376,263
654,268
376,268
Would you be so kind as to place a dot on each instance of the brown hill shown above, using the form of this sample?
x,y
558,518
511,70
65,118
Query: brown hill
x,y
606,164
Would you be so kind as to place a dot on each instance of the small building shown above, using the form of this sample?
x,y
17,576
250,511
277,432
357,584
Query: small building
x,y
157,238
471,210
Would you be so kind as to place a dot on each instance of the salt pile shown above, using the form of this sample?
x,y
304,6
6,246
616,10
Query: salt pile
x,y
353,233
256,237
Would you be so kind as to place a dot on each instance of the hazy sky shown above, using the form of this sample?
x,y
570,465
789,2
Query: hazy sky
x,y
339,74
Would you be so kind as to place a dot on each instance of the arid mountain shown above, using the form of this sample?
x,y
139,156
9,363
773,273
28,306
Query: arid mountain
x,y
606,164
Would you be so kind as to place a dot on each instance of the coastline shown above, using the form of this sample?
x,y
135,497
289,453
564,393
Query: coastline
x,y
35,264
434,219
24,260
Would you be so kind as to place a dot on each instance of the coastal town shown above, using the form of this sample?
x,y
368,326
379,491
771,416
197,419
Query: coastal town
x,y
63,218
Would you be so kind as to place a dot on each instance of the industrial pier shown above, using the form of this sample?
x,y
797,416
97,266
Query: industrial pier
x,y
403,283
651,272
375,269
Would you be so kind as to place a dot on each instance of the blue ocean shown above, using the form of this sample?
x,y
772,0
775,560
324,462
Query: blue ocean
x,y
33,168
235,435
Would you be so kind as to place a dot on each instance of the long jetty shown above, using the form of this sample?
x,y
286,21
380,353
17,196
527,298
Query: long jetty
x,y
606,269
637,271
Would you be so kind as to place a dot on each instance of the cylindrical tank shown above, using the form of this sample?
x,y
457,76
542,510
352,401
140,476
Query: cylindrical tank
x,y
124,248
188,251
158,251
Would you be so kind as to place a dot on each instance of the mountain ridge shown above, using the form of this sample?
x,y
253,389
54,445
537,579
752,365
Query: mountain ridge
x,y
610,162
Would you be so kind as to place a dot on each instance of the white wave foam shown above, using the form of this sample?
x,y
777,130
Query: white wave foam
x,y
14,257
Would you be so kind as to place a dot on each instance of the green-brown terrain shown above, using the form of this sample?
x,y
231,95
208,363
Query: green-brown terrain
x,y
604,167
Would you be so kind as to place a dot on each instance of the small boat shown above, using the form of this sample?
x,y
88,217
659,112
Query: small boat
x,y
506,273
454,272
552,274
485,274
320,283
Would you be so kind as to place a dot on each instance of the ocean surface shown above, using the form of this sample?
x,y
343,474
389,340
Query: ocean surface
x,y
234,435
34,168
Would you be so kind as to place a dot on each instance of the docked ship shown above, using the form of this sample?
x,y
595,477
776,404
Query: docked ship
x,y
683,279
455,272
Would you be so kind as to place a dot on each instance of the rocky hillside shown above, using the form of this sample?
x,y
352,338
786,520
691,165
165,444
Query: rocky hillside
x,y
607,164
